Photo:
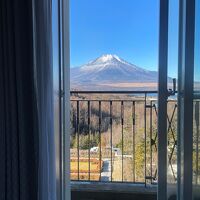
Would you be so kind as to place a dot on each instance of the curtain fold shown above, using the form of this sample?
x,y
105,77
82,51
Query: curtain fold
x,y
27,160
44,76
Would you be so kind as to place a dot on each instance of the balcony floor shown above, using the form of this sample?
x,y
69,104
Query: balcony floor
x,y
111,191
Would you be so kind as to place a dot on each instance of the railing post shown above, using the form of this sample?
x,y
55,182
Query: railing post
x,y
122,124
111,141
151,140
89,140
100,156
145,139
78,132
133,127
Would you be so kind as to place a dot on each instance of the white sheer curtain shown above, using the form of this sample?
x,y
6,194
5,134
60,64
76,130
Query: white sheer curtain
x,y
42,10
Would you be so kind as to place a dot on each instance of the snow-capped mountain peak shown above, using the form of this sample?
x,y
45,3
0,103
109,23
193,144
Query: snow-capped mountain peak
x,y
111,68
108,58
109,62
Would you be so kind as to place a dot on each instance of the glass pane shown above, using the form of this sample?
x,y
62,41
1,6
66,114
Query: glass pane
x,y
196,107
56,72
172,102
114,47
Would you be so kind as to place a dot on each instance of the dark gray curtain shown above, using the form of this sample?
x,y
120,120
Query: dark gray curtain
x,y
26,113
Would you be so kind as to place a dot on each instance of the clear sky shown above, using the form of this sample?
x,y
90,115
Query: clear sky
x,y
197,43
127,28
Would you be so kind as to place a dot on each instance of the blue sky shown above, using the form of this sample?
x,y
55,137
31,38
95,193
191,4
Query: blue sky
x,y
197,43
127,28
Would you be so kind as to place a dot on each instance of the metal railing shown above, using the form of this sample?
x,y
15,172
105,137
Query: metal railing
x,y
114,136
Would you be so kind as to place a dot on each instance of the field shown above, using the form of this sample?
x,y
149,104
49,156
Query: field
x,y
84,167
130,85
85,176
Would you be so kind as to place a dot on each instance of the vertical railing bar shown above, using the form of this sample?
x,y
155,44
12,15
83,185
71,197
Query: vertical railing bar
x,y
100,137
78,113
133,129
89,139
151,140
145,137
122,124
111,144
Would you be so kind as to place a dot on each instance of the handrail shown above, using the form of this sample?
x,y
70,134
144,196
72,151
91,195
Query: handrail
x,y
114,92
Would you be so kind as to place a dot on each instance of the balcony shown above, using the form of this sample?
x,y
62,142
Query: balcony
x,y
114,143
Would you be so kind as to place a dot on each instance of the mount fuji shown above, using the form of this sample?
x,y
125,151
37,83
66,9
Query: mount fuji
x,y
109,71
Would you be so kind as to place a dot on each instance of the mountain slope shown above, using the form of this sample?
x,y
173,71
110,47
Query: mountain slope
x,y
110,69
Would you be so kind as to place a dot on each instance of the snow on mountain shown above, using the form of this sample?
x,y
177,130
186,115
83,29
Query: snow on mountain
x,y
111,69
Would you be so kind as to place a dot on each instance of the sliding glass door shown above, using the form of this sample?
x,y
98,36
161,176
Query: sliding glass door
x,y
187,169
196,105
188,106
185,98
